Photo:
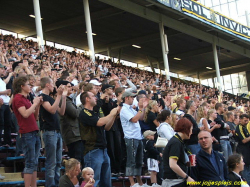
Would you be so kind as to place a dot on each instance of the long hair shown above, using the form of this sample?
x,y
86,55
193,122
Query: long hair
x,y
151,104
201,113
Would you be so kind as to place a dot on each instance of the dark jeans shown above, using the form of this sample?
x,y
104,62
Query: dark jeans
x,y
75,150
5,124
19,149
114,150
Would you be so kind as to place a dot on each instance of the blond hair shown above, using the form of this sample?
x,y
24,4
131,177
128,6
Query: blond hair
x,y
151,104
84,170
201,113
210,112
70,165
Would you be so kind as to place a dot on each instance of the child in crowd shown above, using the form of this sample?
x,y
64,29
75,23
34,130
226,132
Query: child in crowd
x,y
88,175
152,154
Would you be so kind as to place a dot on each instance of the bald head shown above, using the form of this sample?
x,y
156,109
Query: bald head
x,y
205,139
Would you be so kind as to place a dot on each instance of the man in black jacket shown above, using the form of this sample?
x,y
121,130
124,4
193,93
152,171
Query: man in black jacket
x,y
210,169
223,131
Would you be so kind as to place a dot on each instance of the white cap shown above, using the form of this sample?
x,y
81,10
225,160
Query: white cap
x,y
95,82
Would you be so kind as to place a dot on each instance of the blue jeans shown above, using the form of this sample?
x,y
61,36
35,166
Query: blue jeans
x,y
195,148
226,148
134,157
5,124
53,147
31,147
246,173
99,161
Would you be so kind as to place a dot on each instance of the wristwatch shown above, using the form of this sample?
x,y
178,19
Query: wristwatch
x,y
186,177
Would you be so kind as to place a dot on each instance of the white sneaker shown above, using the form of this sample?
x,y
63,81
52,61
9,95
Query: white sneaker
x,y
145,185
156,185
2,177
135,185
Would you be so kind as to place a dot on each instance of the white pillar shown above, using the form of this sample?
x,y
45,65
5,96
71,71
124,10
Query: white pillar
x,y
164,46
109,52
39,29
247,18
89,30
217,68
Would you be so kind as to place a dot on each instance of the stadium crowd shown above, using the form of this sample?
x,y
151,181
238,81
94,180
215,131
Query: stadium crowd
x,y
108,117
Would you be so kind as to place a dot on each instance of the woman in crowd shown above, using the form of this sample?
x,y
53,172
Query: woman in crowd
x,y
174,159
151,113
212,115
26,114
165,130
235,165
70,127
71,177
174,120
192,143
202,115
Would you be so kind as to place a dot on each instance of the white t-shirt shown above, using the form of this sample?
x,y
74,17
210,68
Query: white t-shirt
x,y
5,98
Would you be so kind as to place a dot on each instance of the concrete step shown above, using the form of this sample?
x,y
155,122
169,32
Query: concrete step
x,y
10,180
11,176
6,169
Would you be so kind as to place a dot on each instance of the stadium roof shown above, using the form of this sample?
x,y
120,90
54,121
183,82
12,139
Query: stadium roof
x,y
121,23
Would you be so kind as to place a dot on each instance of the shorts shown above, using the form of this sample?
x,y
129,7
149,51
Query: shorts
x,y
153,165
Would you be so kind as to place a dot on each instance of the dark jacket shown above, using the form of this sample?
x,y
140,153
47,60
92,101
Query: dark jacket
x,y
234,179
194,136
152,152
69,123
205,171
221,131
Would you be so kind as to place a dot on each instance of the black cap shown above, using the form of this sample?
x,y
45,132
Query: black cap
x,y
230,108
105,86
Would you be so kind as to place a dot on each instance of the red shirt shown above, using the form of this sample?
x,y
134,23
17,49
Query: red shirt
x,y
25,124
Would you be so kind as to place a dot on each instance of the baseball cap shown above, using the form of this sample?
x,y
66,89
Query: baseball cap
x,y
105,86
95,82
128,94
142,92
148,132
230,108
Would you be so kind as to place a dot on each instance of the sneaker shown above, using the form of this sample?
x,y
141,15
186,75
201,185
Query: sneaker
x,y
135,185
2,177
156,185
145,185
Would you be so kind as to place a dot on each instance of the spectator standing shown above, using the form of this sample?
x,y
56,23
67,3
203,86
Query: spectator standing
x,y
5,113
192,143
27,114
243,137
223,131
49,121
92,133
165,130
133,137
70,127
153,156
151,113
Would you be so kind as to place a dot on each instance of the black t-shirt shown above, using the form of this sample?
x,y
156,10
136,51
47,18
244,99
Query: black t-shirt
x,y
93,136
174,149
150,120
47,120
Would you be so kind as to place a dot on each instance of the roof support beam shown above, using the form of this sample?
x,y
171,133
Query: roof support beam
x,y
76,20
175,24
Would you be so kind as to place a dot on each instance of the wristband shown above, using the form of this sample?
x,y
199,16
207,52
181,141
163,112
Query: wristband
x,y
186,177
